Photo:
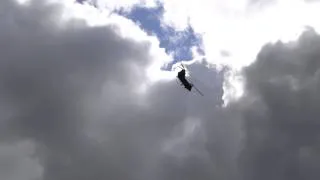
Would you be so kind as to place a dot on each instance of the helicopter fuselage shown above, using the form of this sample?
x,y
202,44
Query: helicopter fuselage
x,y
182,77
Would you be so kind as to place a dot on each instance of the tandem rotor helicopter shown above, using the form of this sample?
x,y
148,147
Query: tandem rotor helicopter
x,y
184,82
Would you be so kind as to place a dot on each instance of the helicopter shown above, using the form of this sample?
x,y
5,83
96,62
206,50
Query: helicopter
x,y
184,82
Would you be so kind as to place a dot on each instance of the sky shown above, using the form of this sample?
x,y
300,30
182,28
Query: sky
x,y
88,90
178,43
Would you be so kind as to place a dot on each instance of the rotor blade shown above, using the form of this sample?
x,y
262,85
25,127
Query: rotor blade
x,y
181,67
198,90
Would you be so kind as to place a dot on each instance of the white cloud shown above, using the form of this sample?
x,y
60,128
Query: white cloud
x,y
240,27
226,25
126,28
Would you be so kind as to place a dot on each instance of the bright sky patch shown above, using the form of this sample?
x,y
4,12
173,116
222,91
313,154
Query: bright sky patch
x,y
177,43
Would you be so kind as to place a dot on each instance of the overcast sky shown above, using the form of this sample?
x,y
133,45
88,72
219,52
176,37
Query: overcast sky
x,y
88,91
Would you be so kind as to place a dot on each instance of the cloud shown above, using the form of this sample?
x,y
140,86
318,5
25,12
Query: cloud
x,y
261,2
50,75
226,24
16,162
231,23
125,5
311,1
74,91
279,110
77,103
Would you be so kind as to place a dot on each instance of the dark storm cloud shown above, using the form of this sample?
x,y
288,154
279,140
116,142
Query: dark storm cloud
x,y
281,112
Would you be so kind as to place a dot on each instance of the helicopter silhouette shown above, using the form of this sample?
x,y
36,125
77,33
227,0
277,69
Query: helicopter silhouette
x,y
184,82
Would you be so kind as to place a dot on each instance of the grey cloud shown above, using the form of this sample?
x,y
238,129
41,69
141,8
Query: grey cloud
x,y
15,163
280,112
71,91
48,74
272,132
